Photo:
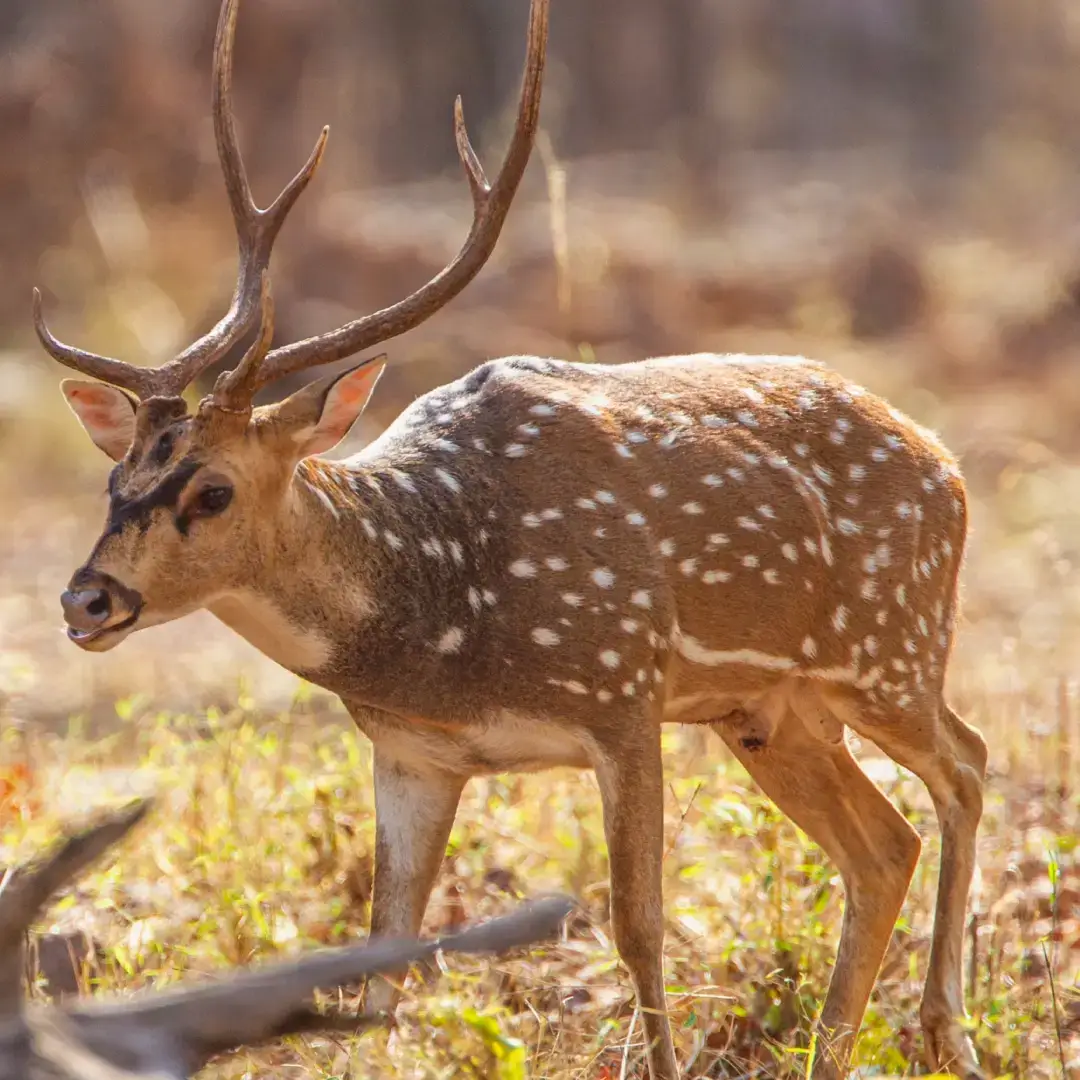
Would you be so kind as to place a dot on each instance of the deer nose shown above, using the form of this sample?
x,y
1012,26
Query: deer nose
x,y
86,609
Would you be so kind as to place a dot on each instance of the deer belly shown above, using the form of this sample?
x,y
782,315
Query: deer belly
x,y
515,743
504,742
758,714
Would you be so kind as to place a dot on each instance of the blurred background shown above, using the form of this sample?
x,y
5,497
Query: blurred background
x,y
892,188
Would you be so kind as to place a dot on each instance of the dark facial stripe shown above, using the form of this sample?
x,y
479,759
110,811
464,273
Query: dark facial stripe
x,y
138,511
163,448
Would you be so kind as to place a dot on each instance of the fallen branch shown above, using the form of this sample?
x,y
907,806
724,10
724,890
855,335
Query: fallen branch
x,y
169,1035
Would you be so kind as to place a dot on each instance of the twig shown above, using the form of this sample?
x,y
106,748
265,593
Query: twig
x,y
626,1044
682,819
973,963
555,173
1064,742
1057,1015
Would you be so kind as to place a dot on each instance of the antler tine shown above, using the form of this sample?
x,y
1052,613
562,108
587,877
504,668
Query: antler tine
x,y
140,381
25,891
256,229
491,202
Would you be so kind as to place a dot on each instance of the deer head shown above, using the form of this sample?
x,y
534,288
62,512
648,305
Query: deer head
x,y
190,488
171,1034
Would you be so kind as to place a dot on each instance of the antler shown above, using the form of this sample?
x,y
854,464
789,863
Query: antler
x,y
169,1035
265,1003
234,389
490,205
24,892
256,230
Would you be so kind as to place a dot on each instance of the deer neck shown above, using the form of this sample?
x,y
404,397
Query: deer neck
x,y
337,581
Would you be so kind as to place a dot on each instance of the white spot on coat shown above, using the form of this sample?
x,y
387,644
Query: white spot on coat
x,y
697,653
403,481
569,684
451,640
448,480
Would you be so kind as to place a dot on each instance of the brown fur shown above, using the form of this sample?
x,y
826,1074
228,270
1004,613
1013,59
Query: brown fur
x,y
542,562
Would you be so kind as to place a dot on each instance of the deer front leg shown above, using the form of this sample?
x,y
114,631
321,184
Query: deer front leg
x,y
414,812
630,775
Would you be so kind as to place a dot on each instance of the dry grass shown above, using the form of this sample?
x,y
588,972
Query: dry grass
x,y
264,839
263,845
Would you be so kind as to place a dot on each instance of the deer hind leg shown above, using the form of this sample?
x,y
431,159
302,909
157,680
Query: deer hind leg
x,y
949,756
630,775
806,769
414,812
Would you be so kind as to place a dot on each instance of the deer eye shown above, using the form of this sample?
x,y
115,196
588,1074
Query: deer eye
x,y
212,501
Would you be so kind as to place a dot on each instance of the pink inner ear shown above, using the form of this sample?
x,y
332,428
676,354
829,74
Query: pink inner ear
x,y
97,405
342,405
105,412
354,391
99,415
93,395
347,398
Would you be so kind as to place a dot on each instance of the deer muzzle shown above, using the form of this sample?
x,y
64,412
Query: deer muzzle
x,y
96,605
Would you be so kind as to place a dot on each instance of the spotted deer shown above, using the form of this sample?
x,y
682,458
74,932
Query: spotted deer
x,y
542,562
170,1035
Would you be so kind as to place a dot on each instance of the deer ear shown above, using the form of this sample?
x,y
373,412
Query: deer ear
x,y
107,413
320,415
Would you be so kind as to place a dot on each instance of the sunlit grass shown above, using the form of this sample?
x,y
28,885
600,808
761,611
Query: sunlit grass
x,y
262,845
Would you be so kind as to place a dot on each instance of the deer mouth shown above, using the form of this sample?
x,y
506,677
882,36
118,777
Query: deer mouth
x,y
102,638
